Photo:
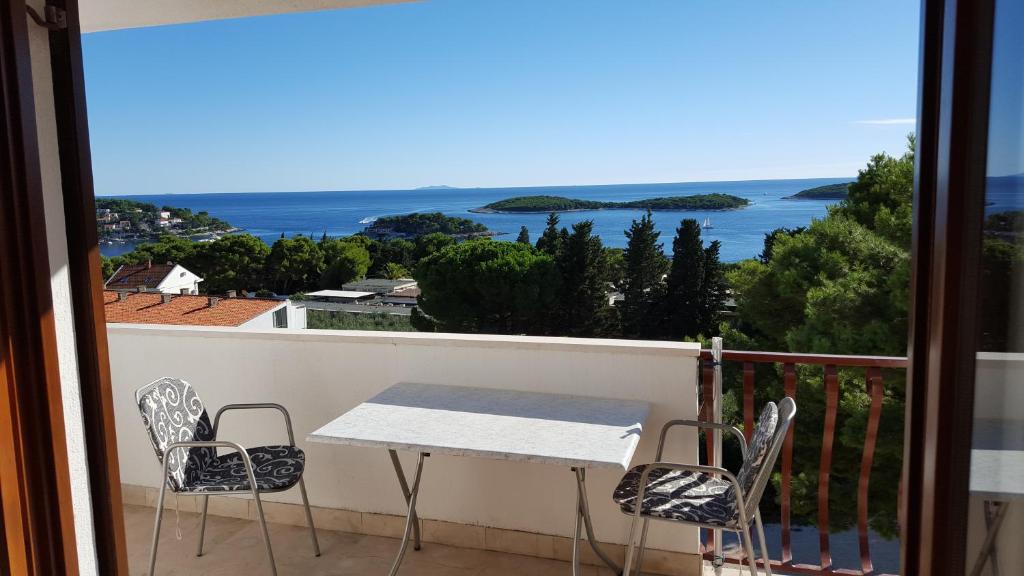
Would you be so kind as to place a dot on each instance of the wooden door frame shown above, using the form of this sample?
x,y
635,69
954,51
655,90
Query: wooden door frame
x,y
34,476
35,486
949,192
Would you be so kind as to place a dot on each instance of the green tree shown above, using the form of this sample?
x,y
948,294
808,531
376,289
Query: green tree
x,y
682,306
396,271
839,287
480,286
235,262
583,308
398,251
348,261
713,291
524,235
551,240
642,284
428,244
294,264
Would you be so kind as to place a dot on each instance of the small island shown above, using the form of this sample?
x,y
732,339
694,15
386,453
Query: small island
x,y
544,204
421,224
826,192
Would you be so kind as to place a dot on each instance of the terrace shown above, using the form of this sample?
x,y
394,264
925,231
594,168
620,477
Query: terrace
x,y
357,504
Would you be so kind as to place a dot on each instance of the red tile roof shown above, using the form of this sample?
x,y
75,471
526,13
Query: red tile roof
x,y
149,308
131,276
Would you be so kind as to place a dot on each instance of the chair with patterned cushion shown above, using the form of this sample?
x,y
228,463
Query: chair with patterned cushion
x,y
186,444
707,496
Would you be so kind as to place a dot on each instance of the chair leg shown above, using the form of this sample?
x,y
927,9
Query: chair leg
x,y
627,569
748,547
202,526
156,529
763,544
266,534
309,517
643,545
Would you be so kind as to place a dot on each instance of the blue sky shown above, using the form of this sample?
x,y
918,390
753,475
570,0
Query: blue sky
x,y
502,93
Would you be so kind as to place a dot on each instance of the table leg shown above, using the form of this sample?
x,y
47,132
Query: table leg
x,y
406,493
411,521
988,546
583,513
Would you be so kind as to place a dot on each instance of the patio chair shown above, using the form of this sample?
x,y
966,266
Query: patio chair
x,y
186,444
707,496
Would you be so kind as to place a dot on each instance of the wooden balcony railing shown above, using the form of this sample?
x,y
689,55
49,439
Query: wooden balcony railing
x,y
872,366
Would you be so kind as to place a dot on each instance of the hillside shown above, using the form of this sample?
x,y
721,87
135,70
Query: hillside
x,y
826,192
562,204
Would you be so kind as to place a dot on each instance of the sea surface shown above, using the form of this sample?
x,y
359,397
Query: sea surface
x,y
268,215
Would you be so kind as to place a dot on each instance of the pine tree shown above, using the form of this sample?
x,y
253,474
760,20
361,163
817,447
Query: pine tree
x,y
682,303
549,242
712,291
524,235
583,308
642,286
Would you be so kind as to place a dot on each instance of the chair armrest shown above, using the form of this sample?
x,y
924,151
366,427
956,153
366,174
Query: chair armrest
x,y
246,460
697,424
257,406
699,468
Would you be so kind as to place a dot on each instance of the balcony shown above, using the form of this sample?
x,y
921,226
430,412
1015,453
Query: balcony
x,y
478,516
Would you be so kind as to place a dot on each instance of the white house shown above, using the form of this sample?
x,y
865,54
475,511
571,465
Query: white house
x,y
168,278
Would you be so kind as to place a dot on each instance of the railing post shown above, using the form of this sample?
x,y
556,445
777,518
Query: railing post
x,y
789,388
716,353
831,406
873,377
748,400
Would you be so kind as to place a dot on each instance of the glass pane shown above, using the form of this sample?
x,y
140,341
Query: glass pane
x,y
997,457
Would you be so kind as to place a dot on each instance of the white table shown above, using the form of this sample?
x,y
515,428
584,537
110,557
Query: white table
x,y
998,477
578,432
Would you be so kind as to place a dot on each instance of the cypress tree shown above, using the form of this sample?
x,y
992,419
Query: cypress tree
x,y
582,308
642,285
524,235
712,291
549,241
682,303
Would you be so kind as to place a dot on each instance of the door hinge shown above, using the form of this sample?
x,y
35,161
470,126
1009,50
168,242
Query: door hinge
x,y
53,18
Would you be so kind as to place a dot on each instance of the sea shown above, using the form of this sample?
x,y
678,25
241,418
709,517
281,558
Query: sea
x,y
268,215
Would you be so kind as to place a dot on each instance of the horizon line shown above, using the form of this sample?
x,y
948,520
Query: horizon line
x,y
444,187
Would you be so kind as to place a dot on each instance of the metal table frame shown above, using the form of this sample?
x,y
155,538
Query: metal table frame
x,y
412,524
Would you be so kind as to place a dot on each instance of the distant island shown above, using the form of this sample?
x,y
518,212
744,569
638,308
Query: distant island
x,y
120,220
826,192
562,204
421,224
437,187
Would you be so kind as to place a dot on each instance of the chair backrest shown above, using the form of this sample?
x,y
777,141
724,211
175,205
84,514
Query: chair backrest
x,y
764,449
172,412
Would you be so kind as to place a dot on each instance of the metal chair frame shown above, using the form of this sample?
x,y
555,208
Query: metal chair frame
x,y
247,461
744,502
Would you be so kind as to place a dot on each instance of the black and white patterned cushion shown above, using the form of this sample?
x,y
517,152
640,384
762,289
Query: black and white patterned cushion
x,y
679,495
172,412
275,468
760,443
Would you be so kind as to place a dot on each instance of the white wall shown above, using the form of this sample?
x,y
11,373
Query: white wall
x,y
320,374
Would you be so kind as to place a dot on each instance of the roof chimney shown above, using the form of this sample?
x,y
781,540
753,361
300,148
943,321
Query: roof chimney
x,y
141,288
122,296
165,298
213,300
149,264
232,294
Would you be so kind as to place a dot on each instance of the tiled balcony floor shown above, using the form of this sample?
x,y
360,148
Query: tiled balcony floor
x,y
234,548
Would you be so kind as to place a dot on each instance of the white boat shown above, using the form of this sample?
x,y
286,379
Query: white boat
x,y
707,223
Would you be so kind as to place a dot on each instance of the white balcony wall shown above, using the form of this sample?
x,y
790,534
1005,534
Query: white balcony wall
x,y
319,374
